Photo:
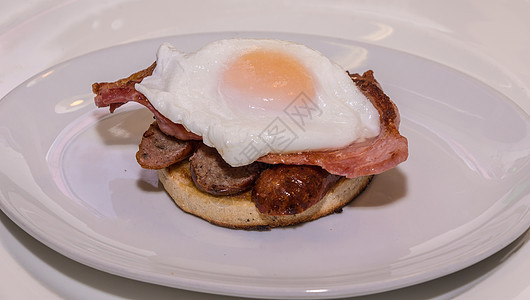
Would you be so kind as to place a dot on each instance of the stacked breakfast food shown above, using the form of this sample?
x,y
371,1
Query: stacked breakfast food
x,y
263,133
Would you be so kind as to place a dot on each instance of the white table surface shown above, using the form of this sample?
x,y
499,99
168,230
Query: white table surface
x,y
35,35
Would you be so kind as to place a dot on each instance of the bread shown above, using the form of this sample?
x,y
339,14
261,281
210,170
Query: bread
x,y
239,212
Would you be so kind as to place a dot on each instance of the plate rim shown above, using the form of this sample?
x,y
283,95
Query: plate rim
x,y
219,290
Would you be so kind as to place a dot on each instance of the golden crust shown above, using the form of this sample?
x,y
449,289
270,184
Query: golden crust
x,y
239,212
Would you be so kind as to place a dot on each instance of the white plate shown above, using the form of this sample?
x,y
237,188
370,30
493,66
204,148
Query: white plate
x,y
69,178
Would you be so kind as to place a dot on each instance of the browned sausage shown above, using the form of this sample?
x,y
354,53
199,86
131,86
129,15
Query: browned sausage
x,y
290,189
213,175
158,150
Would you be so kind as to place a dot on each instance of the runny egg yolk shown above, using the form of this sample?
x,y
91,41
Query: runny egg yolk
x,y
265,79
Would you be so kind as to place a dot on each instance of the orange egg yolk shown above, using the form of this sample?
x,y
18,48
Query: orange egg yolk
x,y
266,79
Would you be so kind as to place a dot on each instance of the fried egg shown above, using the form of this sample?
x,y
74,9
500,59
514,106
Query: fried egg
x,y
249,97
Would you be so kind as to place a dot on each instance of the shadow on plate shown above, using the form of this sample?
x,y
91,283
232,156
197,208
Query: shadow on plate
x,y
124,127
385,189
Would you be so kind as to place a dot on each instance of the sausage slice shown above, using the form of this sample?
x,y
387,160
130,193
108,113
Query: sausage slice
x,y
290,189
158,150
213,175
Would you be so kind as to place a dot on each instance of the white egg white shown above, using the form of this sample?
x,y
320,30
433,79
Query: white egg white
x,y
184,87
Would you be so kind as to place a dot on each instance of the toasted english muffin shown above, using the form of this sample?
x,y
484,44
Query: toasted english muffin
x,y
239,212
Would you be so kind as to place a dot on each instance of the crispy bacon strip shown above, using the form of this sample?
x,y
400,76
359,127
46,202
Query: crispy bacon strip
x,y
357,159
115,94
382,153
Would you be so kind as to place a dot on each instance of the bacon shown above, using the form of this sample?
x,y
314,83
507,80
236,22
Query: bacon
x,y
375,156
115,94
370,157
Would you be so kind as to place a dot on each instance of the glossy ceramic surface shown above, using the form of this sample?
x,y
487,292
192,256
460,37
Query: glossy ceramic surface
x,y
71,181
